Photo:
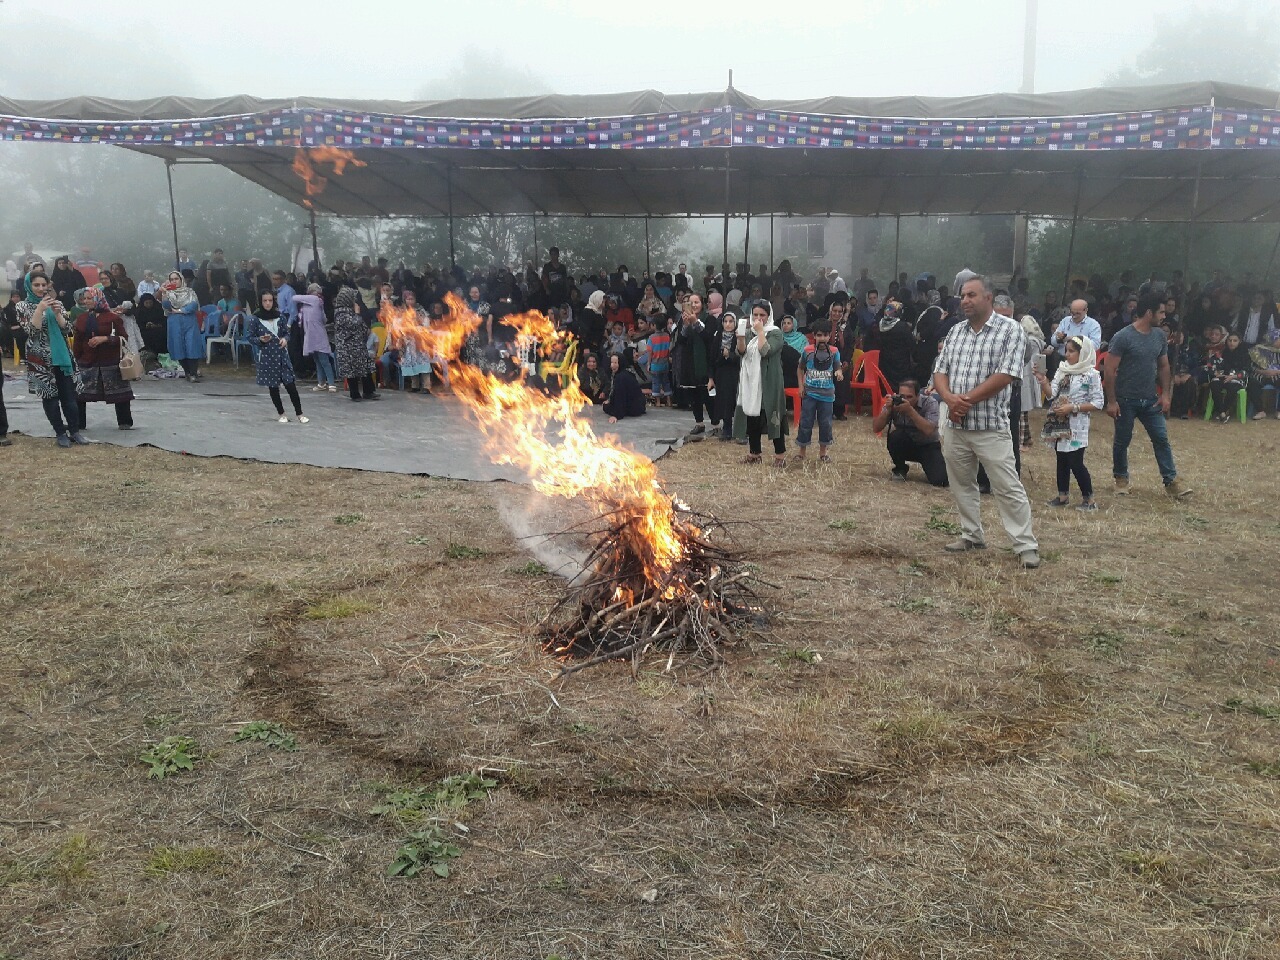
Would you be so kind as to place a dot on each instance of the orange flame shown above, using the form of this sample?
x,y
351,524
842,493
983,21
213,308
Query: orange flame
x,y
304,165
522,426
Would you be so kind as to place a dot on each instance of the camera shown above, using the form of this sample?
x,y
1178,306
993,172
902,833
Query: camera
x,y
897,399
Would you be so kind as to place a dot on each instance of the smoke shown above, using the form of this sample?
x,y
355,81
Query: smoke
x,y
540,523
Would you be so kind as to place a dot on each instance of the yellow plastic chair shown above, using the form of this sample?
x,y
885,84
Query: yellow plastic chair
x,y
561,369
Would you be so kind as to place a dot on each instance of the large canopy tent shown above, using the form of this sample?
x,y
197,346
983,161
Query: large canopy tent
x,y
1189,153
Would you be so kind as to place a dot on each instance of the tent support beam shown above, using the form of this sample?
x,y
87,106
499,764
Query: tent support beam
x,y
173,210
647,268
1071,244
1191,223
1270,263
726,213
771,248
453,257
315,243
535,239
897,243
746,243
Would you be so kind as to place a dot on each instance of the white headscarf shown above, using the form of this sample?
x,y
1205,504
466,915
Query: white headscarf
x,y
1087,362
595,302
750,374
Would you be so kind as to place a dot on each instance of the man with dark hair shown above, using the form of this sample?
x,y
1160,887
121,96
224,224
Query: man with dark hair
x,y
913,433
979,361
555,277
1139,386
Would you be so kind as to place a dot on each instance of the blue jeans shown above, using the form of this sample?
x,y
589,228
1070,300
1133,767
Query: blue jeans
x,y
660,381
1152,417
324,369
809,409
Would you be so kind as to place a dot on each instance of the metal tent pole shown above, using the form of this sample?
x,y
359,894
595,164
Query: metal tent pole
x,y
315,243
726,210
771,248
1071,244
535,239
647,268
1270,263
746,243
1191,224
173,210
897,243
448,177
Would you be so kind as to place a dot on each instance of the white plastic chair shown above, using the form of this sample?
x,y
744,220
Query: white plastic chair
x,y
228,338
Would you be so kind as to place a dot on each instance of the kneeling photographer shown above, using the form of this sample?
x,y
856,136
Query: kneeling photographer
x,y
913,434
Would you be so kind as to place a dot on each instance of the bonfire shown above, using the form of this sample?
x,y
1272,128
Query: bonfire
x,y
654,579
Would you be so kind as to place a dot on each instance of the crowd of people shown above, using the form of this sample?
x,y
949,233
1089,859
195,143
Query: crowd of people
x,y
731,346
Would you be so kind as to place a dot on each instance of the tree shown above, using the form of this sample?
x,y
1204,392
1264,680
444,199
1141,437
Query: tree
x,y
1231,44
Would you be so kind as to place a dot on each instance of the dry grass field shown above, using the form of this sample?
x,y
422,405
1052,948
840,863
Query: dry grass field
x,y
923,756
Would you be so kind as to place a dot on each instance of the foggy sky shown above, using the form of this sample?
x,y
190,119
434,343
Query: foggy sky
x,y
408,49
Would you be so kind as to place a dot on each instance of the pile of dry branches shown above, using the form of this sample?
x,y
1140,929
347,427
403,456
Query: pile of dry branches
x,y
702,605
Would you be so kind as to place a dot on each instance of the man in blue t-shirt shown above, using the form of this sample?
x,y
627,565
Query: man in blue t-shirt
x,y
818,372
1138,386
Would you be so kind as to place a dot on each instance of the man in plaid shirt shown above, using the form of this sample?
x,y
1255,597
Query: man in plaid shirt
x,y
978,362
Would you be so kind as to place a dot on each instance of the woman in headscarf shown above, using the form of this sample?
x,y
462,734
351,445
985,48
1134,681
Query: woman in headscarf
x,y
1076,392
123,282
151,324
725,367
66,281
625,397
473,348
896,341
351,336
650,303
99,339
715,305
415,358
1033,354
1228,374
593,323
315,338
931,329
52,374
181,307
693,375
761,403
266,328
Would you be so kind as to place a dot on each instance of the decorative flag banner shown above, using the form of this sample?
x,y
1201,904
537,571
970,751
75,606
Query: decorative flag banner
x,y
719,127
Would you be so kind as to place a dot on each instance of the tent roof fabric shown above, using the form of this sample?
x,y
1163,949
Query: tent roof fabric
x,y
1208,152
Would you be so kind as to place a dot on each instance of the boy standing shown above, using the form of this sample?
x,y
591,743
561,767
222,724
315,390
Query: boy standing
x,y
660,362
819,370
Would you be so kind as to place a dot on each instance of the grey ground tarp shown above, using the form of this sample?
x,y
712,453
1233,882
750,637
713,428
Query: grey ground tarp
x,y
229,416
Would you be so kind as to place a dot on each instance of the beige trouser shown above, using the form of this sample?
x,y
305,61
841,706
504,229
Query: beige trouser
x,y
963,451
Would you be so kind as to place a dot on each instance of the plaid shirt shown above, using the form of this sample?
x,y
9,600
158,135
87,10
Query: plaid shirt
x,y
969,358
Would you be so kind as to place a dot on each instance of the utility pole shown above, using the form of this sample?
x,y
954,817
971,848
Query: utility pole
x,y
1020,222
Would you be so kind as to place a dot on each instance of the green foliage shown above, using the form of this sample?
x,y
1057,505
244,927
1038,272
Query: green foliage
x,y
336,608
269,732
1267,711
182,859
1269,770
532,569
450,793
70,862
846,525
460,551
170,756
1106,643
348,519
419,541
423,850
1106,579
938,522
914,604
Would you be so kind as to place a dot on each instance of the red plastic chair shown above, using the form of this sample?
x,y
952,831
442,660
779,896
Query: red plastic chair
x,y
794,394
868,377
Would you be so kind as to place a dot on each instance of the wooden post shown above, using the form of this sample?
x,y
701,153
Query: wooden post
x,y
647,268
726,202
897,244
453,258
315,243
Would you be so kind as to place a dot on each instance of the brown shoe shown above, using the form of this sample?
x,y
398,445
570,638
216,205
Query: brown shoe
x,y
1122,486
1177,489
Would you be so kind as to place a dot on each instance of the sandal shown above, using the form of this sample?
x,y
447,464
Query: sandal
x,y
751,458
824,459
780,462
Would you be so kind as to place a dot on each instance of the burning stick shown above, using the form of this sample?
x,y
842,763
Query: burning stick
x,y
304,162
653,579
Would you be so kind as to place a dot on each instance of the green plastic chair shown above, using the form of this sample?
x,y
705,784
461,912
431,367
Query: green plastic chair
x,y
1242,406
